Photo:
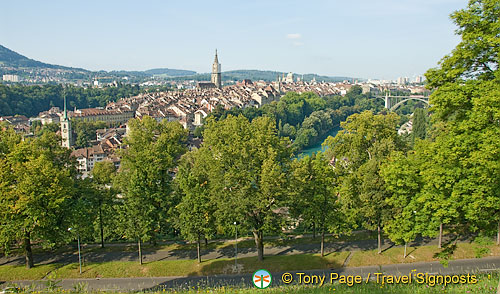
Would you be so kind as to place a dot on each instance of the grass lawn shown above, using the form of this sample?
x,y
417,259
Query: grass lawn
x,y
245,242
418,254
174,267
248,265
486,284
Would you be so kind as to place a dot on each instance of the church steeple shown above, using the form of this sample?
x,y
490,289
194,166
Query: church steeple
x,y
216,69
65,114
66,132
216,60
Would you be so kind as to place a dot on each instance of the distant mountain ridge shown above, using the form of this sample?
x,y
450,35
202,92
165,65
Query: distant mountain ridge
x,y
257,75
170,72
10,58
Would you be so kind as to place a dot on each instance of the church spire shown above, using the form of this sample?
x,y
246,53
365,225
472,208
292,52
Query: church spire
x,y
66,132
216,69
65,115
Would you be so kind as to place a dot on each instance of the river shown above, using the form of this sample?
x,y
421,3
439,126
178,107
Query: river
x,y
315,148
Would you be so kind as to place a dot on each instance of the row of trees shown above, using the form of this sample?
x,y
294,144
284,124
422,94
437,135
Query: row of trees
x,y
446,176
243,173
369,177
41,195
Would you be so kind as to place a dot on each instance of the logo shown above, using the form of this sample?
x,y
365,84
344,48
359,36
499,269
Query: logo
x,y
262,279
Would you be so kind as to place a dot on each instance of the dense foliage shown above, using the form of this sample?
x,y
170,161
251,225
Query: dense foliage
x,y
307,118
31,100
36,191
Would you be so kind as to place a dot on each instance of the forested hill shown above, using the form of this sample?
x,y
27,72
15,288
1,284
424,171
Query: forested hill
x,y
12,59
30,100
9,58
170,72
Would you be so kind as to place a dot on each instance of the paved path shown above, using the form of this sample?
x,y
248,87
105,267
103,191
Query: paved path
x,y
466,266
227,252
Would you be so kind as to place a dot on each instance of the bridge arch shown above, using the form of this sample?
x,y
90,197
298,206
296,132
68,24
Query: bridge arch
x,y
408,99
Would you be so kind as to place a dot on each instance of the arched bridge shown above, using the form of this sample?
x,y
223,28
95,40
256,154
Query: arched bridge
x,y
393,102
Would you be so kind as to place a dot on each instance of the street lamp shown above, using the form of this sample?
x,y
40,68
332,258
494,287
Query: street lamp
x,y
79,254
236,247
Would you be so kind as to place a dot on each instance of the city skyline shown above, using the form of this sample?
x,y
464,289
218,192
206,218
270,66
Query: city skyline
x,y
382,40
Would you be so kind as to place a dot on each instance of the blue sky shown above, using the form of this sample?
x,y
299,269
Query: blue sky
x,y
360,38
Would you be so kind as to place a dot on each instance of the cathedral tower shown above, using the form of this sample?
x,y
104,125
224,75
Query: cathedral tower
x,y
216,78
66,132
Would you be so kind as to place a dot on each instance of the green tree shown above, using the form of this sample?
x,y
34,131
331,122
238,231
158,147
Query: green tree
x,y
313,195
474,58
103,174
419,127
359,150
146,175
86,132
401,174
465,102
195,212
36,185
248,174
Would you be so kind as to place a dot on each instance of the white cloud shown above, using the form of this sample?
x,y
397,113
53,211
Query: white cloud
x,y
298,43
293,36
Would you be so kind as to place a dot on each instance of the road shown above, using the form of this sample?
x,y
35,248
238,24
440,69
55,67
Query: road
x,y
466,266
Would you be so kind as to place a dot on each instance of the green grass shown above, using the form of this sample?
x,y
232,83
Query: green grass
x,y
126,269
417,254
487,283
250,264
246,242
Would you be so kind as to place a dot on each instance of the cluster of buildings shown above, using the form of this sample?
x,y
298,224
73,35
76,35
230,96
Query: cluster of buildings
x,y
107,142
10,78
189,107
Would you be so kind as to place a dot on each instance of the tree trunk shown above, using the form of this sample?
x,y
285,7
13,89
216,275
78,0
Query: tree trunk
x,y
198,244
206,242
27,251
259,243
440,239
101,226
379,240
314,230
404,255
140,251
322,242
498,235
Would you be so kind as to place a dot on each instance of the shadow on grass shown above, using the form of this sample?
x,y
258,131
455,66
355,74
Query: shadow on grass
x,y
219,273
270,263
387,248
413,250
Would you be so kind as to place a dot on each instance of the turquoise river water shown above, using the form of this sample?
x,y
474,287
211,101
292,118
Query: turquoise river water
x,y
309,151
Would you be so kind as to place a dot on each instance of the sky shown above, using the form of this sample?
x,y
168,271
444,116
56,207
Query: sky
x,y
381,39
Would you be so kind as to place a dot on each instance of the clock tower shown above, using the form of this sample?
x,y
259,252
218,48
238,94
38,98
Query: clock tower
x,y
216,77
66,132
